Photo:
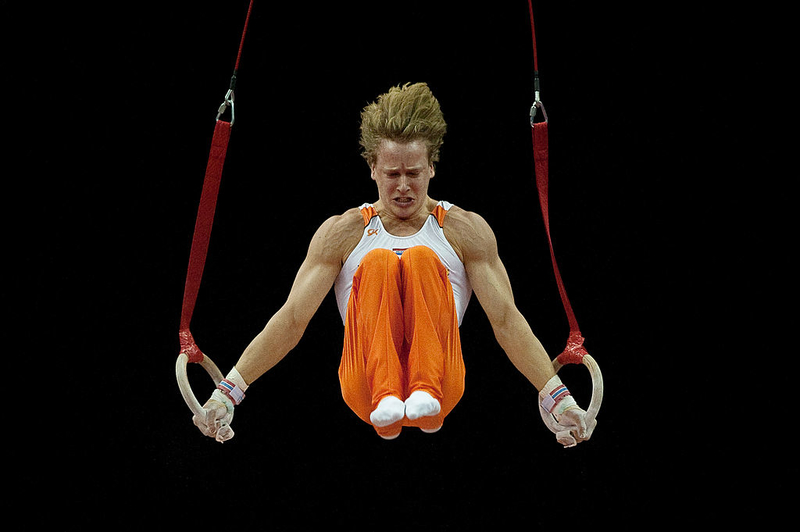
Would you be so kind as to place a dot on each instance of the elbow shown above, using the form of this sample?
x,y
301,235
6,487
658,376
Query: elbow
x,y
504,336
295,324
285,329
505,324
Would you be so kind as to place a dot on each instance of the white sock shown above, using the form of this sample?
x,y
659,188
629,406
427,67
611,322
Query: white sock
x,y
390,410
421,404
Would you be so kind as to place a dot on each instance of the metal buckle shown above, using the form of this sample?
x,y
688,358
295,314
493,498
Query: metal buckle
x,y
229,99
535,107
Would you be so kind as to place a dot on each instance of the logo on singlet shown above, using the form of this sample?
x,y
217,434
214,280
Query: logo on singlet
x,y
372,232
399,251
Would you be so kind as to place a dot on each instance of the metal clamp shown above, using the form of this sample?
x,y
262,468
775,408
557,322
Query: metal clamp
x,y
537,103
535,107
229,99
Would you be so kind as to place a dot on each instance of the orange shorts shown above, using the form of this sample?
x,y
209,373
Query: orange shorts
x,y
401,335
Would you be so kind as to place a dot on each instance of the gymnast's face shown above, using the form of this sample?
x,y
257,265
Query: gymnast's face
x,y
402,172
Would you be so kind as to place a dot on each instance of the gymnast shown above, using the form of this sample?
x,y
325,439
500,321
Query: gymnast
x,y
403,270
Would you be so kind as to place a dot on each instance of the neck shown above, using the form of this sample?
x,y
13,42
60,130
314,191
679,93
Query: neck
x,y
405,226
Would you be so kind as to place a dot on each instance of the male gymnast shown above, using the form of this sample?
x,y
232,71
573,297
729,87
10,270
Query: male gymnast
x,y
403,271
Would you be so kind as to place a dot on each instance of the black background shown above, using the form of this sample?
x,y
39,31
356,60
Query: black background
x,y
664,184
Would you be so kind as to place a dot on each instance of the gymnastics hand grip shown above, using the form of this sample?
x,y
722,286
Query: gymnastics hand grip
x,y
564,432
183,381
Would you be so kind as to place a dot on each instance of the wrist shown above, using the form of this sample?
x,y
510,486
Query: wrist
x,y
555,398
233,386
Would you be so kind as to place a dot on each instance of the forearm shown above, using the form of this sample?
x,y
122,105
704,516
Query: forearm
x,y
281,334
524,350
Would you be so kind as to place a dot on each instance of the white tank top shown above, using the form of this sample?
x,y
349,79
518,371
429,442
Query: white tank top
x,y
431,235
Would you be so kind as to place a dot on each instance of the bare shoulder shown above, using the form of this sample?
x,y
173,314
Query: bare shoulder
x,y
469,234
338,236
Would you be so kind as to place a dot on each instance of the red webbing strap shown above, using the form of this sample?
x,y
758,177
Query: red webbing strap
x,y
574,351
205,219
202,235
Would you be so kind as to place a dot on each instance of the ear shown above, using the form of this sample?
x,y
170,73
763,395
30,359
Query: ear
x,y
372,172
433,170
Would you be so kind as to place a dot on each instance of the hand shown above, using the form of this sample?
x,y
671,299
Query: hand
x,y
218,412
575,419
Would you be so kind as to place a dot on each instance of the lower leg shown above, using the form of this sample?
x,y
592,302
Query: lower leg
x,y
371,372
435,363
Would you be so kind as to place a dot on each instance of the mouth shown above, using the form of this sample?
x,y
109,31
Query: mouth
x,y
403,202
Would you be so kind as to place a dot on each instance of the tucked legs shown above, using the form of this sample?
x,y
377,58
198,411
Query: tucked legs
x,y
401,337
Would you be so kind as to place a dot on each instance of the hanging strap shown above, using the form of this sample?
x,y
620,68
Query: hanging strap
x,y
205,212
574,352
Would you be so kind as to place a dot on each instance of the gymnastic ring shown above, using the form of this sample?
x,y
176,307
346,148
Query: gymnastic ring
x,y
563,432
185,387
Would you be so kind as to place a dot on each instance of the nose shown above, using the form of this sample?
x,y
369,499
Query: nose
x,y
403,184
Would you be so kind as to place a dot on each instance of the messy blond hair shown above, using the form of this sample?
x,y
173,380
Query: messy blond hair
x,y
404,114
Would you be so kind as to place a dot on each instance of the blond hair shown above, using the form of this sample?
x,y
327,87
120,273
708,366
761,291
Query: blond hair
x,y
404,114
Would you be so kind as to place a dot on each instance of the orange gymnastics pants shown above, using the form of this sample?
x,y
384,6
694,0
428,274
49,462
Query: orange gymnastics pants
x,y
401,336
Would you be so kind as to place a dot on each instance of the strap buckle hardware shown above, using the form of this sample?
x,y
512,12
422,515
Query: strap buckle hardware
x,y
228,102
535,107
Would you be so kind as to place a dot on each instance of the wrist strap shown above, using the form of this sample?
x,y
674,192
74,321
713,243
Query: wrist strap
x,y
555,397
233,386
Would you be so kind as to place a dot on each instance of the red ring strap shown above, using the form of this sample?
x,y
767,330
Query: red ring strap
x,y
205,220
574,351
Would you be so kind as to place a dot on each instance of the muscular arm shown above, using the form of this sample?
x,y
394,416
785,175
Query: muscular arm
x,y
474,240
332,241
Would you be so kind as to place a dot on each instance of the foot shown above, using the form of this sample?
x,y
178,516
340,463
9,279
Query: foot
x,y
390,410
389,436
421,404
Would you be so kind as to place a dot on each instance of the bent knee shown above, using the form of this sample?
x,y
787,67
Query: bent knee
x,y
380,255
379,259
420,253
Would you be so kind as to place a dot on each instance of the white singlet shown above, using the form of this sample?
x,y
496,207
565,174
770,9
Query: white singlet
x,y
431,235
